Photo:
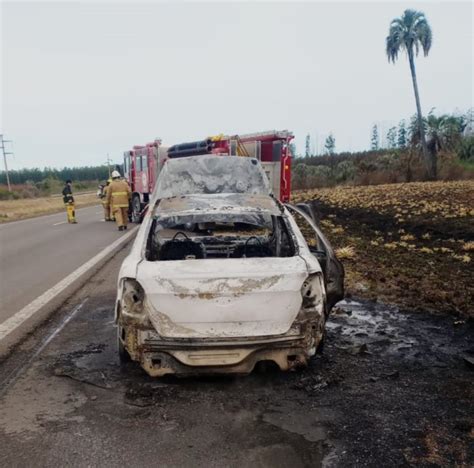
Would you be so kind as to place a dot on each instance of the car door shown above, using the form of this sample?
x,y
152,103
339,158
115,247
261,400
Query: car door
x,y
320,247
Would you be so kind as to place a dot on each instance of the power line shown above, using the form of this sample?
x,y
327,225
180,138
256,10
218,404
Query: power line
x,y
5,153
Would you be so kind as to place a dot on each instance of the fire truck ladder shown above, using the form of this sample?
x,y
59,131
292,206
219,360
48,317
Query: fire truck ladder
x,y
241,149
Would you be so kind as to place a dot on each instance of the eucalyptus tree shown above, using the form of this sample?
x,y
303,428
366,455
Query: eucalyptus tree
x,y
307,151
330,144
374,139
392,137
402,135
410,33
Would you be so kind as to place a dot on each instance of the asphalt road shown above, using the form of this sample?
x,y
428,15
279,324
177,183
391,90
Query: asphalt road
x,y
37,253
391,390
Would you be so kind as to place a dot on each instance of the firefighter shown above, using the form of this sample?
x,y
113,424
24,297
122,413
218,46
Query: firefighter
x,y
68,200
103,197
118,198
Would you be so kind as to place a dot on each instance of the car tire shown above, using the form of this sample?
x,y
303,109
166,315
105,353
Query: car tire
x,y
320,347
136,209
123,355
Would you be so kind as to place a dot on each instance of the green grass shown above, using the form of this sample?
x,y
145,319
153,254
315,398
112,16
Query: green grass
x,y
469,165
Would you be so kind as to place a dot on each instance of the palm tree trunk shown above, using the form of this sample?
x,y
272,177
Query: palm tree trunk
x,y
429,161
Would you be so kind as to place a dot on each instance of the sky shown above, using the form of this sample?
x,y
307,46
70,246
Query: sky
x,y
80,80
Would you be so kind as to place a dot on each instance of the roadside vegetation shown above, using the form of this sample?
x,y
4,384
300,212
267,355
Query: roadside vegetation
x,y
408,244
45,188
12,210
34,183
34,175
450,141
29,199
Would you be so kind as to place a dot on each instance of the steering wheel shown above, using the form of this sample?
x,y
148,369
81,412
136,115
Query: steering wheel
x,y
182,233
248,240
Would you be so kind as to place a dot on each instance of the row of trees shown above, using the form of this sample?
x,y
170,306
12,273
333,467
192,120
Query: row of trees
x,y
34,175
329,146
396,137
443,132
449,139
448,128
380,167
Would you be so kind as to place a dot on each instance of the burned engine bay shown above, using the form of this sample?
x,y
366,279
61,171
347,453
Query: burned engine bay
x,y
219,235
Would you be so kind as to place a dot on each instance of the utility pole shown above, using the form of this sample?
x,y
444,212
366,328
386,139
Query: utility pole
x,y
108,164
5,153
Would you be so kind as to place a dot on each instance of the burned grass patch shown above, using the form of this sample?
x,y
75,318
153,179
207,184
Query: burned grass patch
x,y
411,244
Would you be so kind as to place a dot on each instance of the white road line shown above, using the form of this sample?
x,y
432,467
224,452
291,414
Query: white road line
x,y
9,325
13,376
62,222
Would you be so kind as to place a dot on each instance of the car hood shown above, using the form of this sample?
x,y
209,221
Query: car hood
x,y
217,203
215,298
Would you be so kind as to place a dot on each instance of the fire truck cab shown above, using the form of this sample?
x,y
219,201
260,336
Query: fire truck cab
x,y
141,166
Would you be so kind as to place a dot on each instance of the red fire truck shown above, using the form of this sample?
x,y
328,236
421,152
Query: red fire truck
x,y
142,164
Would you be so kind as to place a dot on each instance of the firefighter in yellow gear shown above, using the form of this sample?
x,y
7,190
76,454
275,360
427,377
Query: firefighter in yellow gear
x,y
118,198
103,197
68,200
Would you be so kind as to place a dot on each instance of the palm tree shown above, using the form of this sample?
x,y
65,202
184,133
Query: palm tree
x,y
444,132
410,32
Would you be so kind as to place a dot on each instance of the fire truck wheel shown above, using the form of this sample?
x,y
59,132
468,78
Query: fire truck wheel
x,y
136,209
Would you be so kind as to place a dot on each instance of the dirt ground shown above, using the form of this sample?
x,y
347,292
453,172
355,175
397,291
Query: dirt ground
x,y
392,389
407,244
11,210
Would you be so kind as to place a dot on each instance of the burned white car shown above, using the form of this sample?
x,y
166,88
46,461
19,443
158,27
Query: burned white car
x,y
220,276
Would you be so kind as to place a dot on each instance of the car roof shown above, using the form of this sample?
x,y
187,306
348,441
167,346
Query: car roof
x,y
211,174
